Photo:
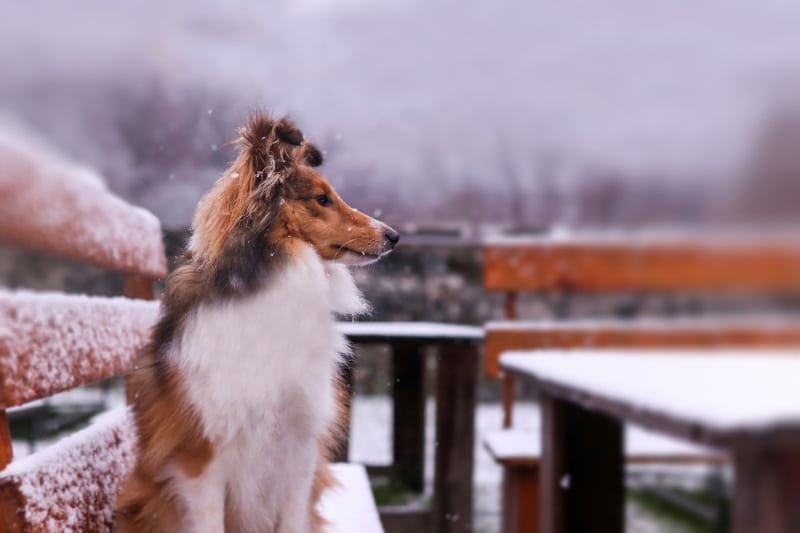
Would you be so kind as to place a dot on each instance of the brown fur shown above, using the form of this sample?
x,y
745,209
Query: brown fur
x,y
254,217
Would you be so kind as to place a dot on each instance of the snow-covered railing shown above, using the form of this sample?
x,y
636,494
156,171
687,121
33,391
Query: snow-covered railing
x,y
55,206
71,486
53,342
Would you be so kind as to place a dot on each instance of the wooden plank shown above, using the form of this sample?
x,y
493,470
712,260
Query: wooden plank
x,y
582,470
456,398
507,336
138,286
6,447
766,490
95,338
669,265
63,208
508,399
520,507
408,436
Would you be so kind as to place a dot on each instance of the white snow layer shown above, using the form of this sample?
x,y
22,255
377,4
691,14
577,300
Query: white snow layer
x,y
724,390
51,342
71,486
53,205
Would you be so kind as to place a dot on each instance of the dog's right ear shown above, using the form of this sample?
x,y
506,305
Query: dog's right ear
x,y
269,144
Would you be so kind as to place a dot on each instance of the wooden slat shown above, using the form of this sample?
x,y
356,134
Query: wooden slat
x,y
642,266
636,334
6,447
59,207
52,342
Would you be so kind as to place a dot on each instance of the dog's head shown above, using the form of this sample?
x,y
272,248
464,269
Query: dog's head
x,y
274,192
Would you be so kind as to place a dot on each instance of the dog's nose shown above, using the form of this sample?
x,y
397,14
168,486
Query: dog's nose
x,y
393,237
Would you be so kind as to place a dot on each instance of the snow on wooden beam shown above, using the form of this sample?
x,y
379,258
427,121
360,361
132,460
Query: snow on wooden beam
x,y
52,342
72,485
53,205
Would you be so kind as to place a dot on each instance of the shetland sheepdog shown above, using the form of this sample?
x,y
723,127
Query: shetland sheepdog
x,y
236,397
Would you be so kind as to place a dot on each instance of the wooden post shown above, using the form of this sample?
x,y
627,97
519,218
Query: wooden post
x,y
346,377
766,490
582,470
138,286
6,449
408,436
508,399
520,499
456,396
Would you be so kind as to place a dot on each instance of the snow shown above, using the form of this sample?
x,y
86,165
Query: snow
x,y
410,330
79,473
654,236
725,391
350,507
640,444
711,323
51,342
53,205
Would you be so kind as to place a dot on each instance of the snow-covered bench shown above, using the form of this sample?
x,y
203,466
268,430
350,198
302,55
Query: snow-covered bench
x,y
623,263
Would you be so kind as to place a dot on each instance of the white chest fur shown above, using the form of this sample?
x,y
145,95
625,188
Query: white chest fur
x,y
259,369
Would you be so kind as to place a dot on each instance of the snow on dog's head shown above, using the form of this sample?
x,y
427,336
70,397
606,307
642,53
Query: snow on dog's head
x,y
273,197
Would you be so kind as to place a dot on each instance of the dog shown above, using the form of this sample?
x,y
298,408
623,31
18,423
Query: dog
x,y
235,397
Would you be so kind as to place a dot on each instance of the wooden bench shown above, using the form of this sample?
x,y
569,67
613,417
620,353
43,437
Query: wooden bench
x,y
52,342
456,349
745,402
649,264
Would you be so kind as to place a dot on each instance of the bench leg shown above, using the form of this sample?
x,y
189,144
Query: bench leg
x,y
347,380
582,470
508,400
766,490
520,512
456,396
6,449
408,435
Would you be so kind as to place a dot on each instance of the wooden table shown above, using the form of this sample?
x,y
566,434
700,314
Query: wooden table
x,y
747,402
457,354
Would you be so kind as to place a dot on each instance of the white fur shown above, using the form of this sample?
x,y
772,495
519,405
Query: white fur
x,y
259,372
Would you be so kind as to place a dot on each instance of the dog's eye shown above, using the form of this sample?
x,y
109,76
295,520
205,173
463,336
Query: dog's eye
x,y
323,200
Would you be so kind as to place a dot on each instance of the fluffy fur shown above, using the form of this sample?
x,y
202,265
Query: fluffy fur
x,y
235,397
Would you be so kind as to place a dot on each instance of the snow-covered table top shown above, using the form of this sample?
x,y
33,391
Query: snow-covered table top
x,y
713,397
418,331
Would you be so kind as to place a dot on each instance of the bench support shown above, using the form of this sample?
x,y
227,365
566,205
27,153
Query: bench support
x,y
520,499
582,470
408,436
6,449
456,398
766,490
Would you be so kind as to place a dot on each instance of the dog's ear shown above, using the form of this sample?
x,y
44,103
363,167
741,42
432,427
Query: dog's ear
x,y
311,155
269,145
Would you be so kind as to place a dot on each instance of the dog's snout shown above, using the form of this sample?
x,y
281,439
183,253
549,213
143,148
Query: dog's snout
x,y
392,236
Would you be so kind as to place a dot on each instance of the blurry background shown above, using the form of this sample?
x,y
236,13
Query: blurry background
x,y
516,112
450,120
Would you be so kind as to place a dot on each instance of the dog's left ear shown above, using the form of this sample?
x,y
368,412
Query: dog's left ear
x,y
311,155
